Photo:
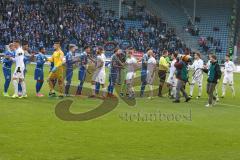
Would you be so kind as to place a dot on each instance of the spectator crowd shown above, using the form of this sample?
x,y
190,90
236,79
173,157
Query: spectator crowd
x,y
41,22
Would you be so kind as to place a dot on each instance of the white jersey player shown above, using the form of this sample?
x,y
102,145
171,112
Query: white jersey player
x,y
197,67
229,68
99,73
151,69
18,75
172,81
131,63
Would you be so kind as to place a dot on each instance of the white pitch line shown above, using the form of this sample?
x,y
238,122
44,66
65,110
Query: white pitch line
x,y
223,104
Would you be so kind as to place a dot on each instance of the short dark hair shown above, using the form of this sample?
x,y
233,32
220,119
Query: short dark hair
x,y
214,56
24,42
57,42
41,48
175,54
198,54
228,55
116,49
16,41
86,47
148,48
100,49
164,51
130,48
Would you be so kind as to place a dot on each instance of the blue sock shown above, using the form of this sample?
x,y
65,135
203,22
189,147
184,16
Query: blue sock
x,y
112,88
97,89
38,86
80,86
67,87
6,85
109,88
19,87
142,88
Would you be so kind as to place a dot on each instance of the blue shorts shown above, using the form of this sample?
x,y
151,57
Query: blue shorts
x,y
7,73
82,74
113,76
69,75
143,75
38,74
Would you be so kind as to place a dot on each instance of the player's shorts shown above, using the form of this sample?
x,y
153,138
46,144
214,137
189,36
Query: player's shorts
x,y
162,75
69,75
18,73
113,76
172,80
57,75
228,79
82,74
143,75
129,77
150,78
199,81
38,74
7,73
99,77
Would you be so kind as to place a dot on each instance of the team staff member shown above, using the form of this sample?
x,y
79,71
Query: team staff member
x,y
57,70
162,73
214,74
182,78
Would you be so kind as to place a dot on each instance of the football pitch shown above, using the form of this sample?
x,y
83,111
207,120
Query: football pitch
x,y
150,130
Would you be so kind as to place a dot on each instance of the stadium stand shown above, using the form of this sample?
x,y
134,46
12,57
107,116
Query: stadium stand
x,y
97,23
212,22
82,23
214,18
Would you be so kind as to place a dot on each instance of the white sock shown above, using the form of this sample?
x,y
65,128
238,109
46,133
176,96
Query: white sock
x,y
199,91
23,85
133,89
191,89
233,90
216,91
223,89
15,84
104,90
93,89
174,91
151,90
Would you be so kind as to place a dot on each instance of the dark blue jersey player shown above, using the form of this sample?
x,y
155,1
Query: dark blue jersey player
x,y
69,67
83,62
39,72
144,73
115,65
7,65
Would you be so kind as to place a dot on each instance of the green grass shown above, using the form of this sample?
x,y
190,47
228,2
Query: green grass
x,y
30,130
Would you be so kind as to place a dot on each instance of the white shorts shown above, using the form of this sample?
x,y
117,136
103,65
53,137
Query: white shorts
x,y
172,81
129,77
18,73
150,78
199,81
228,79
99,77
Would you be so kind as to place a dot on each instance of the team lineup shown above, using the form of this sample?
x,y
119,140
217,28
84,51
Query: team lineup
x,y
123,67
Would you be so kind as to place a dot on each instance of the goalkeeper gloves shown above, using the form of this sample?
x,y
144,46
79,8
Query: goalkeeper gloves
x,y
54,69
